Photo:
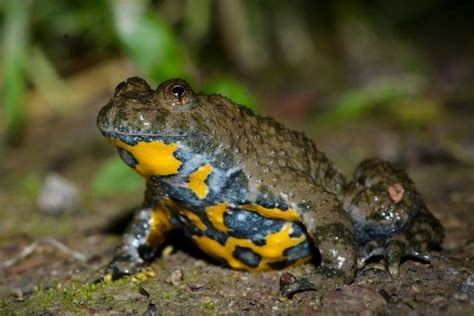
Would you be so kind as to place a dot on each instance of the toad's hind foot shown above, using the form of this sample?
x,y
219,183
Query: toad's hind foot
x,y
389,216
425,233
393,250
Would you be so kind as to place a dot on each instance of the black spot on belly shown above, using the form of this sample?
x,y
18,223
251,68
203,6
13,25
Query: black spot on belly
x,y
251,225
186,225
292,254
280,265
127,157
247,256
301,250
217,236
297,230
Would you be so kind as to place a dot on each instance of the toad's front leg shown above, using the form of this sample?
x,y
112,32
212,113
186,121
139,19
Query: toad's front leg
x,y
330,228
140,242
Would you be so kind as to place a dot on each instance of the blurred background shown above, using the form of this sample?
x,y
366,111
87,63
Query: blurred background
x,y
387,78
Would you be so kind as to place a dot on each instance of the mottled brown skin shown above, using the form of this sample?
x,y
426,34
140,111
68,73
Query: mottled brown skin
x,y
378,213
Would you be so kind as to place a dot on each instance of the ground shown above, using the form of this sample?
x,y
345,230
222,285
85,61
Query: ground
x,y
53,279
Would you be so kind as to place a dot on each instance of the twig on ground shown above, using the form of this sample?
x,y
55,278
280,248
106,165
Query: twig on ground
x,y
32,247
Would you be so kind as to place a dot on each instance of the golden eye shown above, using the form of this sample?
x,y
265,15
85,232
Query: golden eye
x,y
178,91
176,94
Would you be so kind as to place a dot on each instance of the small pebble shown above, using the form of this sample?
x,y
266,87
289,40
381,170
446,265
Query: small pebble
x,y
287,279
195,287
437,300
416,288
451,271
18,295
176,277
58,196
460,296
468,285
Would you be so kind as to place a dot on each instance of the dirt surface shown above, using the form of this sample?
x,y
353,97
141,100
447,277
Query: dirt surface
x,y
48,274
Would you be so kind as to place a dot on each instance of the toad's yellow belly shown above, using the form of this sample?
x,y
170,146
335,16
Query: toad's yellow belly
x,y
247,237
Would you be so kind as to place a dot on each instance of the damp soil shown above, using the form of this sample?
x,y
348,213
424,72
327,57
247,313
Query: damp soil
x,y
47,276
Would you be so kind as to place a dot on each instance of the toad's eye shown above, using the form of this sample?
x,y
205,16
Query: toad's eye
x,y
178,91
176,94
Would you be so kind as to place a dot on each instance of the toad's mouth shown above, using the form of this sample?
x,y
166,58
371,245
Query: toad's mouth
x,y
118,134
132,138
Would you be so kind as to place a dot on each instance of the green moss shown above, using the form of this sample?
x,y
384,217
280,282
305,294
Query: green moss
x,y
209,306
167,295
193,276
74,298
30,185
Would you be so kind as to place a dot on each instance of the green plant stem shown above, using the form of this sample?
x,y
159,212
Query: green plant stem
x,y
15,45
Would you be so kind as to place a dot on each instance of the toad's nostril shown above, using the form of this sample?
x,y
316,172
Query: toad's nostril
x,y
178,91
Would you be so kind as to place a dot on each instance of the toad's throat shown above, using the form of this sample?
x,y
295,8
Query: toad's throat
x,y
149,158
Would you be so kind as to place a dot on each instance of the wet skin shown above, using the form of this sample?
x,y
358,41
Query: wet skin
x,y
254,194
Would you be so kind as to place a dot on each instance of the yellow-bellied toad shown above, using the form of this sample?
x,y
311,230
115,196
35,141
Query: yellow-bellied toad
x,y
254,194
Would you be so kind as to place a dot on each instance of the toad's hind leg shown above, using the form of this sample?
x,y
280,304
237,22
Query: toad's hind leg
x,y
330,229
140,242
389,216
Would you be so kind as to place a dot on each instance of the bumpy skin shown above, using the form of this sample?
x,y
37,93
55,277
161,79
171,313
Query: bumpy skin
x,y
254,194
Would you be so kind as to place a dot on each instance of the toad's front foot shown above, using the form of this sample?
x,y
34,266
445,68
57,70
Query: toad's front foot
x,y
139,245
120,267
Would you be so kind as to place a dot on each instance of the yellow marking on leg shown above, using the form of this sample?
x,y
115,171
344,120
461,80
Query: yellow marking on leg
x,y
197,181
215,214
160,225
272,251
154,158
196,220
275,213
